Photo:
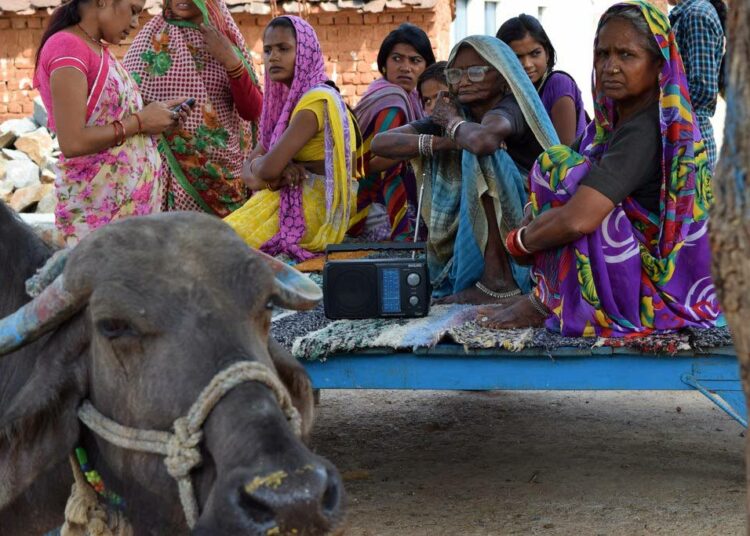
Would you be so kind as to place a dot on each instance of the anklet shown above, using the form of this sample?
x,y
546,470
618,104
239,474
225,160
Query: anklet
x,y
497,295
538,305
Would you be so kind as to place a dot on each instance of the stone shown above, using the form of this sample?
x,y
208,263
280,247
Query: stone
x,y
22,173
11,129
12,154
37,145
6,188
40,112
50,163
47,203
23,198
3,165
47,176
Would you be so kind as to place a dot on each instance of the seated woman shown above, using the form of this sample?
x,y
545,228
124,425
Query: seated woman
x,y
387,196
559,92
618,239
430,84
475,195
304,167
194,48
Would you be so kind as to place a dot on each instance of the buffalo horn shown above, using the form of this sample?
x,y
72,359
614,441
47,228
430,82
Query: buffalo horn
x,y
293,289
45,312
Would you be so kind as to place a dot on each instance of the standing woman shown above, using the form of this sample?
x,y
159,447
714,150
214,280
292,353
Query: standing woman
x,y
560,94
194,48
303,169
387,196
110,166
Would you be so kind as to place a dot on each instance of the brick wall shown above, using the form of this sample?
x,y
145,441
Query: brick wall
x,y
350,41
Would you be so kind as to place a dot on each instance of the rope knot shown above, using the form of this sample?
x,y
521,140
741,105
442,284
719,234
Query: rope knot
x,y
182,450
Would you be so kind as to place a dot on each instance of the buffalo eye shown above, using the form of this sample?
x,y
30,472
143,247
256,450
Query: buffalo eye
x,y
113,328
269,305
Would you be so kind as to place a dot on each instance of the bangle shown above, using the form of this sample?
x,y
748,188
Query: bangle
x,y
519,240
527,205
512,246
425,144
236,72
119,132
140,123
538,305
453,128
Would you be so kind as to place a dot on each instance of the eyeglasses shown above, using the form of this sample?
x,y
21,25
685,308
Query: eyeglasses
x,y
476,73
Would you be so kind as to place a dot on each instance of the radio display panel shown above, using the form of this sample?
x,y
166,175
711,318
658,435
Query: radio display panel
x,y
390,284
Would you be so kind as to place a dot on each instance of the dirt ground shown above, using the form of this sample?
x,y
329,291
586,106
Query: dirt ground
x,y
495,463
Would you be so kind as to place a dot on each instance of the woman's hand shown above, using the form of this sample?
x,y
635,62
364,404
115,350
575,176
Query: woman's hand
x,y
293,175
220,47
445,110
157,117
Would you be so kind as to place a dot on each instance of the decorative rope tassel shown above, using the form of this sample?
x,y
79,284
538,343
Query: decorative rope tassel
x,y
85,515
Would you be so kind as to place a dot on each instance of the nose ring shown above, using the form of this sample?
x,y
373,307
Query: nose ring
x,y
615,70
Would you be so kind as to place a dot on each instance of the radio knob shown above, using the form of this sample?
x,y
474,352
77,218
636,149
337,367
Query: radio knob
x,y
413,280
414,301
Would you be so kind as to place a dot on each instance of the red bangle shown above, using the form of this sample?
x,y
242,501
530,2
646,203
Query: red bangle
x,y
519,241
140,124
512,246
119,132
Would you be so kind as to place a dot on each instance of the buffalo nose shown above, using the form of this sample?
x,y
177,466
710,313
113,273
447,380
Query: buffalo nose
x,y
305,501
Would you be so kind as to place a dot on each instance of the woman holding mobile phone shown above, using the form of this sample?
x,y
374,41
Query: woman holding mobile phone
x,y
110,167
194,47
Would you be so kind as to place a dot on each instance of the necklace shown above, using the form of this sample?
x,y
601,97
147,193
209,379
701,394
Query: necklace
x,y
97,41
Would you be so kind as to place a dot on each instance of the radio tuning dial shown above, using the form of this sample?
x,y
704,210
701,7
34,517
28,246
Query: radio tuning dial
x,y
413,279
414,301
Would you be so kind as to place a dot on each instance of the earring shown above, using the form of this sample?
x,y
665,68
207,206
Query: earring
x,y
102,3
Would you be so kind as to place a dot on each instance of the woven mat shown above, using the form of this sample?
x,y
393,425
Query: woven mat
x,y
312,337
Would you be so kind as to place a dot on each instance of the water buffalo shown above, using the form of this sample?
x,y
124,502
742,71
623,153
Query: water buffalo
x,y
154,307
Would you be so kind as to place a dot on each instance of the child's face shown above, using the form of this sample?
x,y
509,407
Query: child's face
x,y
430,90
532,55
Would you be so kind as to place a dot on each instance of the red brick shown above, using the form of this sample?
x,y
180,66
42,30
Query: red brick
x,y
364,66
385,18
3,108
35,22
356,20
416,17
15,107
367,78
4,23
325,20
18,23
371,18
361,89
350,78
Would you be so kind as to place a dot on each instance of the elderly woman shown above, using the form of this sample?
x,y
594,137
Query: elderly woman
x,y
194,48
619,242
387,195
478,146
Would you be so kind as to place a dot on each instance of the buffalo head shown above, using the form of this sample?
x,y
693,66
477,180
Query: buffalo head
x,y
146,312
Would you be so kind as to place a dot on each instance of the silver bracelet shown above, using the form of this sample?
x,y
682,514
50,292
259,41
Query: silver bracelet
x,y
425,145
519,240
497,295
454,129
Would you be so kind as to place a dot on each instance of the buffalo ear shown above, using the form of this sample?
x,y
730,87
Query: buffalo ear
x,y
294,290
39,425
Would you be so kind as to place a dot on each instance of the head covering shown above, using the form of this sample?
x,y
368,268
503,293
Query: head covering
x,y
382,94
279,99
168,61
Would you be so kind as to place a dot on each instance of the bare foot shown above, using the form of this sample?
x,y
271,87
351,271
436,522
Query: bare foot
x,y
518,313
475,296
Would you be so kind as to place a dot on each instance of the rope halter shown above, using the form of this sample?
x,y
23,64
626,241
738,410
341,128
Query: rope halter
x,y
180,448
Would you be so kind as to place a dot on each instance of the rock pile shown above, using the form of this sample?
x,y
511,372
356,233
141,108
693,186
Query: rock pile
x,y
28,156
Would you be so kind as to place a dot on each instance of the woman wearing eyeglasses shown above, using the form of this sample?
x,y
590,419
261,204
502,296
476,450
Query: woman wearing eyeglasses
x,y
387,195
475,195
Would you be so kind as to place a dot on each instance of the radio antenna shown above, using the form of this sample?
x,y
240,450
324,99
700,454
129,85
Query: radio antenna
x,y
419,213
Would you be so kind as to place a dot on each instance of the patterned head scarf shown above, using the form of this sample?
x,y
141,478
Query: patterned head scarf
x,y
279,99
686,188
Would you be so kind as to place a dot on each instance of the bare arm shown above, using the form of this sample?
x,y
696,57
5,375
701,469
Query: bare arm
x,y
267,169
564,119
582,215
69,94
402,143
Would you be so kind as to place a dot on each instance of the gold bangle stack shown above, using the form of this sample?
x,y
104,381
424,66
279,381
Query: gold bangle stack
x,y
237,71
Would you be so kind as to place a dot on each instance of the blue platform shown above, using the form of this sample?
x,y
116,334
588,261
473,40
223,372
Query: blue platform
x,y
447,367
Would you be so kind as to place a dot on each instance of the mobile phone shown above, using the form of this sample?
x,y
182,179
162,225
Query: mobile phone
x,y
190,102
